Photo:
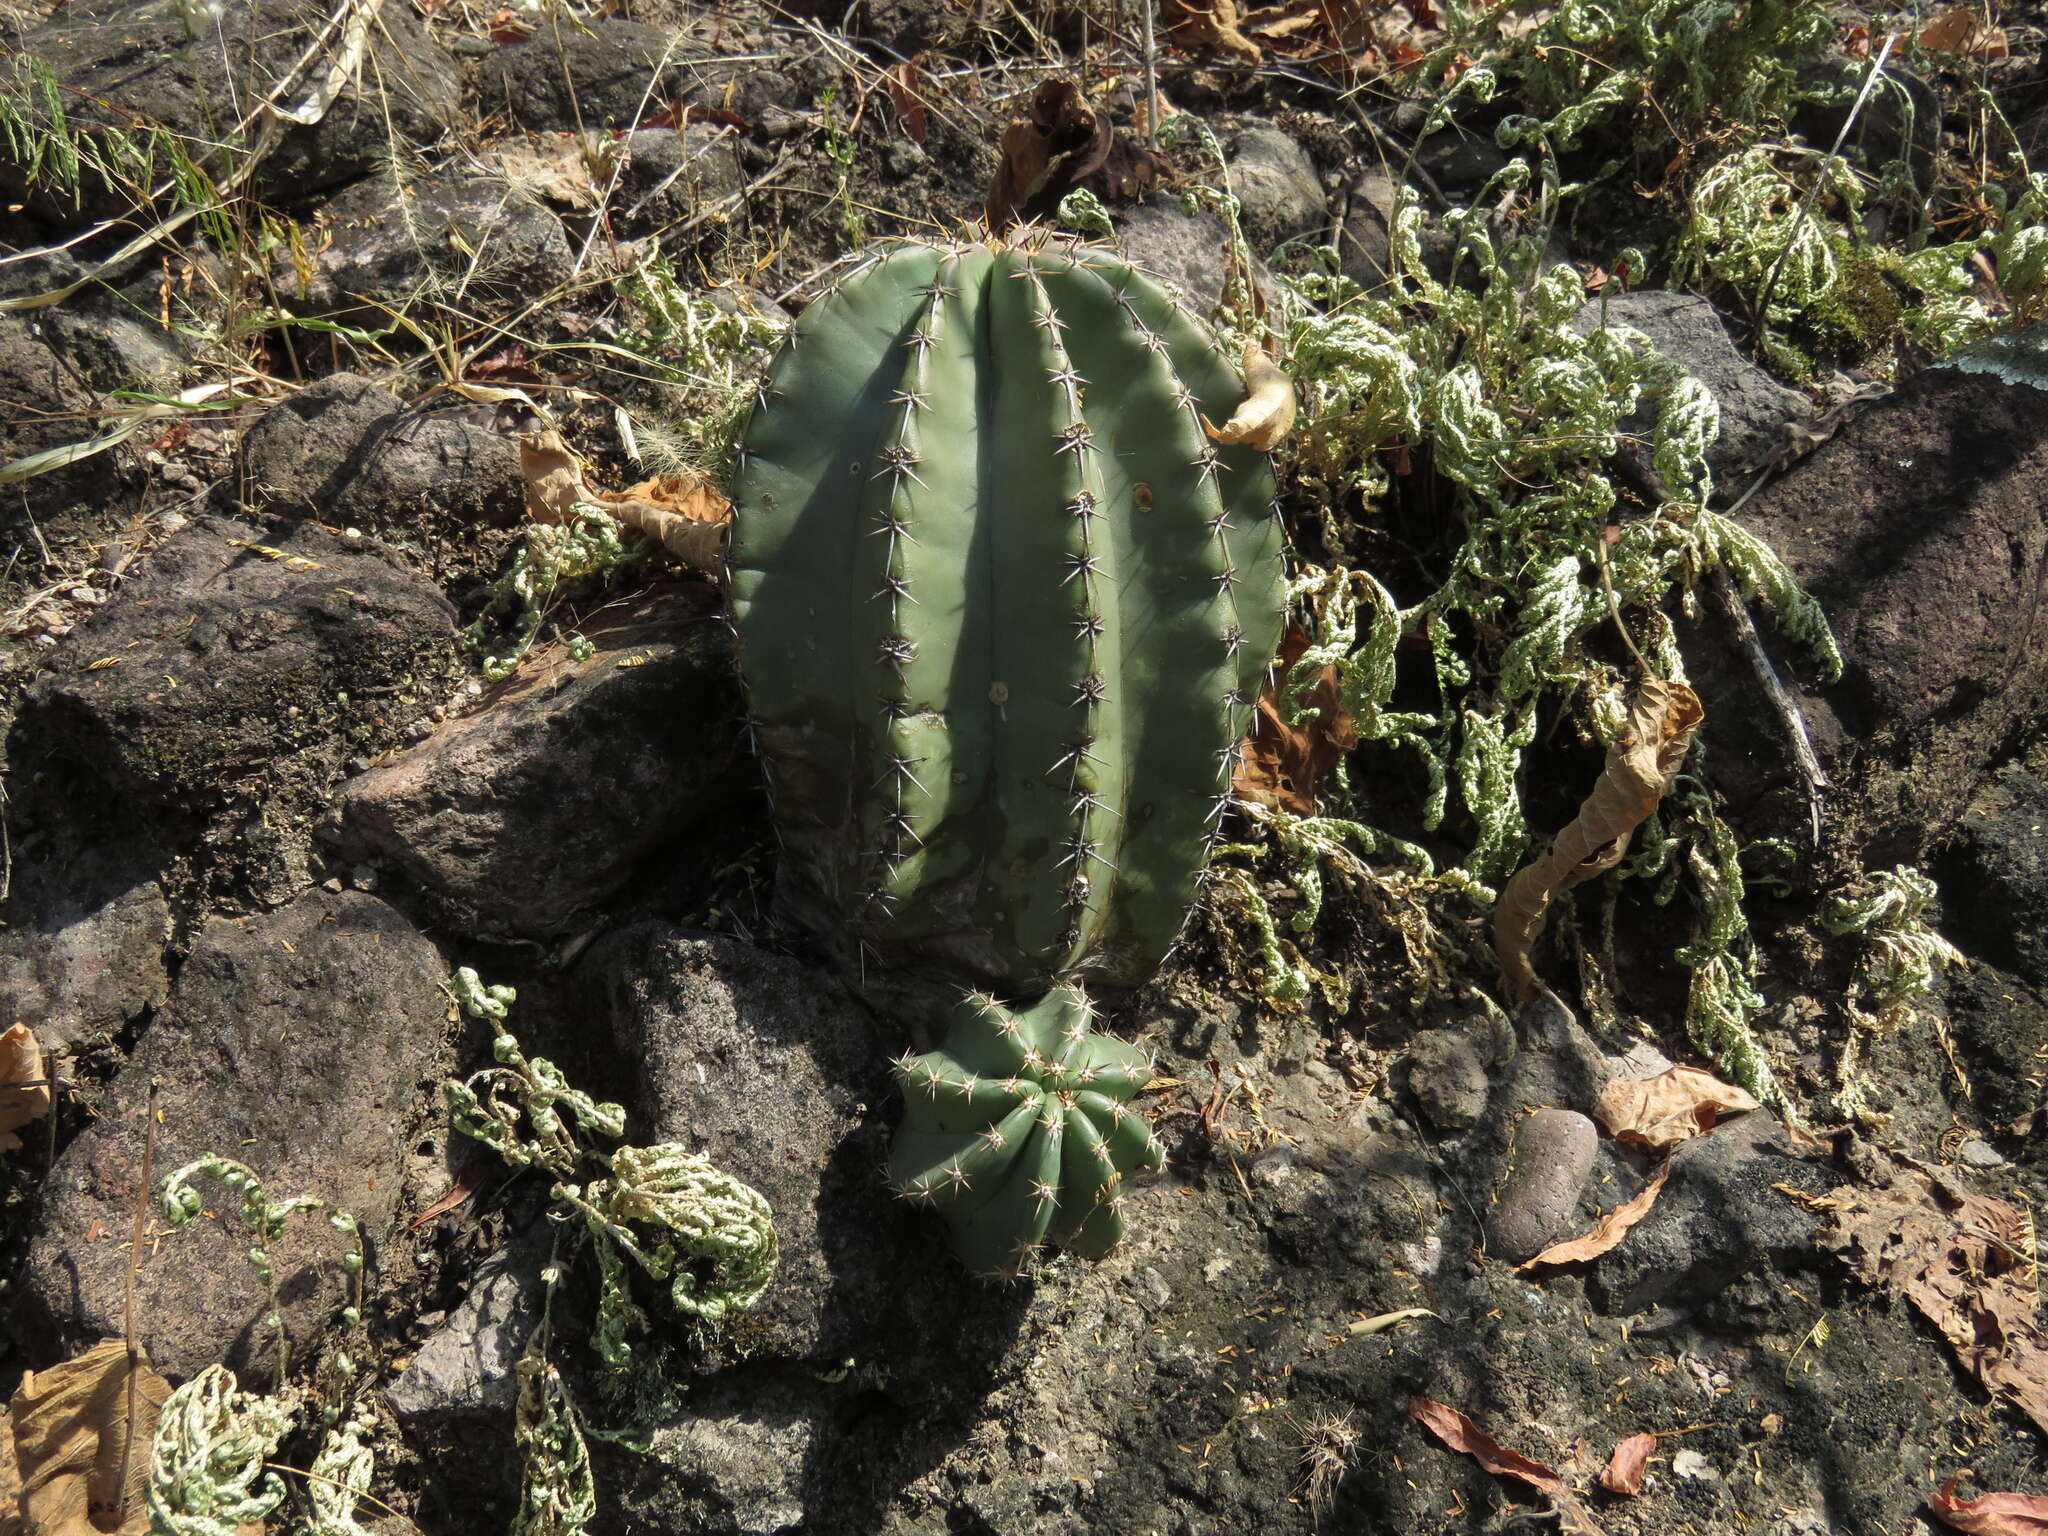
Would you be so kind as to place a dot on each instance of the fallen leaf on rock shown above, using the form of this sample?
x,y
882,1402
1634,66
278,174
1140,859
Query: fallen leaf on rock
x,y
24,1084
1461,1434
687,516
1965,1260
1671,1107
1995,1514
1624,1470
1279,765
1267,414
1641,764
1609,1230
1963,31
72,1442
552,166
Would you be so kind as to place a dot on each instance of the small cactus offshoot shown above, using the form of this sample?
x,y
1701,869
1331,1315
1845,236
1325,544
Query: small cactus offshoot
x,y
1021,1132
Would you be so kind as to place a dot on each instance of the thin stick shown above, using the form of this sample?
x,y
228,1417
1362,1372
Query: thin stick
x,y
1763,302
1151,79
1794,723
136,1236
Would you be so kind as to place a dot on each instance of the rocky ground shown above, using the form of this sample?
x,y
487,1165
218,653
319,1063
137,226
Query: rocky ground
x,y
260,803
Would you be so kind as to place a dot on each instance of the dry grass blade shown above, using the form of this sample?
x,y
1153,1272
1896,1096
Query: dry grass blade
x,y
1641,765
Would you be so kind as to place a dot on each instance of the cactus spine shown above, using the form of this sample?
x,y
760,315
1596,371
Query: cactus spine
x,y
1004,607
1020,1130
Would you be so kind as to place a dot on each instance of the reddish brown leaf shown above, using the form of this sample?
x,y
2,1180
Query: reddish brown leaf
x,y
1624,1470
1461,1434
1279,765
1609,1230
907,98
1064,143
1995,1514
459,1191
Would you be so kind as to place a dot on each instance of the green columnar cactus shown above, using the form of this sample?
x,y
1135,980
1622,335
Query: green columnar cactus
x,y
1004,607
1020,1130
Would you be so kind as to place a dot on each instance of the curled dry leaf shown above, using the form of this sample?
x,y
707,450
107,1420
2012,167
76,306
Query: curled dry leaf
x,y
688,517
1671,1107
1607,1231
1279,765
1461,1434
1624,1470
1995,1514
1063,144
24,1086
1641,765
1965,1260
1267,415
72,1441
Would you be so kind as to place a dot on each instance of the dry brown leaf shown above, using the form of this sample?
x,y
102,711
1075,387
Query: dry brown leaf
x,y
1267,414
1641,764
1963,31
688,517
1279,765
1995,1514
1965,1260
1213,28
1607,1231
1671,1107
552,166
1624,1470
1063,144
71,1436
906,95
1461,1434
21,1062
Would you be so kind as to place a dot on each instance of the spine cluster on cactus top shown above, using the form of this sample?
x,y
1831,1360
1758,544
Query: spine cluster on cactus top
x,y
1020,1130
1004,606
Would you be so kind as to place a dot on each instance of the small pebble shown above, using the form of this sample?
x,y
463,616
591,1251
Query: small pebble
x,y
1692,1464
1980,1154
1553,1155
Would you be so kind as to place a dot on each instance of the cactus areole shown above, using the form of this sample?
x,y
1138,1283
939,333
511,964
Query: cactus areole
x,y
1003,606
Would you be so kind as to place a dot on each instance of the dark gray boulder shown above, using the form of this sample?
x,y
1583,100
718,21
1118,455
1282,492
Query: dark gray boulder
x,y
547,796
306,1044
237,643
